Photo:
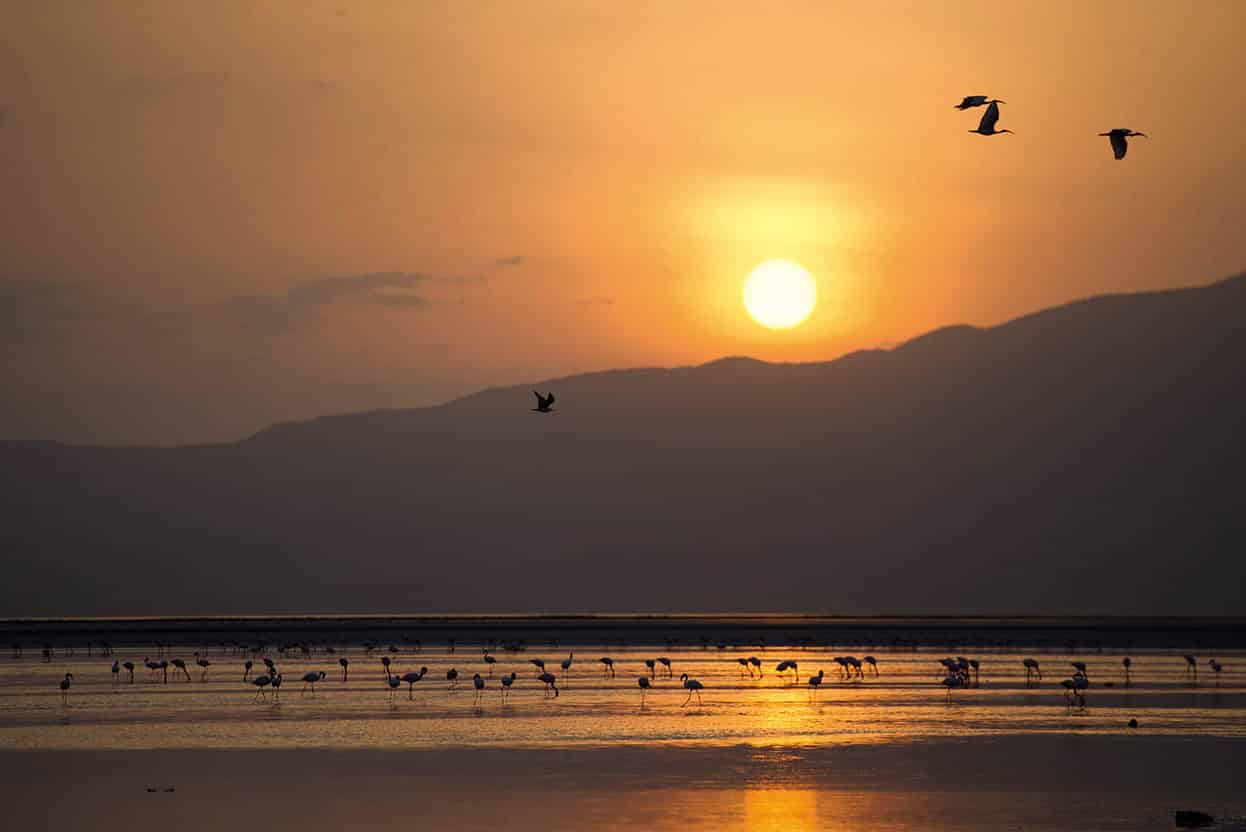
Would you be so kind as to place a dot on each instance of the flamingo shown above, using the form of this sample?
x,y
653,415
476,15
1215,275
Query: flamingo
x,y
272,668
1080,684
1119,139
566,663
276,687
651,664
745,667
129,666
116,673
411,678
262,681
65,683
507,681
1031,669
786,665
479,684
204,664
952,680
756,664
1191,666
181,665
550,683
692,686
538,663
1080,667
246,669
1127,662
643,683
1216,668
986,127
665,662
345,663
385,660
971,101
973,663
1068,686
814,681
855,664
544,404
608,666
311,677
489,660
393,682
452,676
873,663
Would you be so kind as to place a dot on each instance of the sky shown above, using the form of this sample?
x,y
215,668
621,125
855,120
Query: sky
x,y
220,216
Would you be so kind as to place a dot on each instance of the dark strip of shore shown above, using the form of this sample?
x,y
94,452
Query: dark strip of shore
x,y
1073,634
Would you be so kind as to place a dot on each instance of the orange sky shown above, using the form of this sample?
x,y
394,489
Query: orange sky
x,y
213,214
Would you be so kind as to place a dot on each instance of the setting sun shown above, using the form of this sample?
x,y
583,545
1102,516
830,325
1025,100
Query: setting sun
x,y
779,294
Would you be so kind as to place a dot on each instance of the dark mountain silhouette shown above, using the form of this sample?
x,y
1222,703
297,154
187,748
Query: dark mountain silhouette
x,y
1087,458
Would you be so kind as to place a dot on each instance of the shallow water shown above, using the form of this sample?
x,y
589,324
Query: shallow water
x,y
904,703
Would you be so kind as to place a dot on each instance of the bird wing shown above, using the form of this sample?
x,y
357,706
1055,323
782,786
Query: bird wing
x,y
539,401
550,400
987,125
1120,145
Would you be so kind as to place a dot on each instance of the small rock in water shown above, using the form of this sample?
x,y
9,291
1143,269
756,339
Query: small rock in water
x,y
1189,818
1133,723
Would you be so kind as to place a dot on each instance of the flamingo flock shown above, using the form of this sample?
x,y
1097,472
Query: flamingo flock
x,y
959,672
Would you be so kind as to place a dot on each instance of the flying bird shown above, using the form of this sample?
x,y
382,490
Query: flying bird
x,y
1118,137
971,101
986,127
544,404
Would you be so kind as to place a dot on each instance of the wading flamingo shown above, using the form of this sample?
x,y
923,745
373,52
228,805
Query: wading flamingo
x,y
692,686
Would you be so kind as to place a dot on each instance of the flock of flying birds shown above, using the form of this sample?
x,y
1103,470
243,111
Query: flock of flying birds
x,y
1118,137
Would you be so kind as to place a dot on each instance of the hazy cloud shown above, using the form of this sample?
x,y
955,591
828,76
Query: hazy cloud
x,y
273,314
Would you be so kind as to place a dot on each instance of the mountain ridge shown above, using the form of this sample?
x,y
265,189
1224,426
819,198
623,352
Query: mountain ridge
x,y
1085,457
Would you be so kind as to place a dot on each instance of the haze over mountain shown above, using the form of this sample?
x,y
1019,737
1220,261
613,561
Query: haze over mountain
x,y
1086,458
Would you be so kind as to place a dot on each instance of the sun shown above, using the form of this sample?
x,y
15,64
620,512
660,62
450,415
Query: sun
x,y
779,294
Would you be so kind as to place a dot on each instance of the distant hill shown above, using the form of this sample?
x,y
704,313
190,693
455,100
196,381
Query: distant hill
x,y
1086,458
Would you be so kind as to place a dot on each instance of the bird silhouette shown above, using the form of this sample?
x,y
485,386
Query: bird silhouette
x,y
452,676
311,677
65,683
693,687
394,683
970,101
814,682
986,127
607,668
544,404
116,673
345,663
1119,139
204,664
129,666
665,662
261,682
566,663
411,678
246,669
550,683
643,683
1031,670
507,681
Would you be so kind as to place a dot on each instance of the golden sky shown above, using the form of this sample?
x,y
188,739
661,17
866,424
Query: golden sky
x,y
221,215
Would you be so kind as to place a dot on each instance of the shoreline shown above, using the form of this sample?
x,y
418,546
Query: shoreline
x,y
709,629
